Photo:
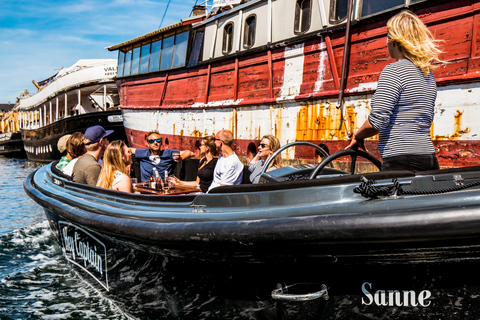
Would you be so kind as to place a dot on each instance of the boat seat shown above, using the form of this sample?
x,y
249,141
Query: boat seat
x,y
311,183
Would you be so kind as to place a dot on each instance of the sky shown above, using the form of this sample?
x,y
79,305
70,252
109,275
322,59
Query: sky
x,y
39,37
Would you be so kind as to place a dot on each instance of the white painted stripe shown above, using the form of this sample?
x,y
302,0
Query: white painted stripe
x,y
321,71
293,72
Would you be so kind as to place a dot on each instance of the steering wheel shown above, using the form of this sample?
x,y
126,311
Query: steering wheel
x,y
268,177
352,153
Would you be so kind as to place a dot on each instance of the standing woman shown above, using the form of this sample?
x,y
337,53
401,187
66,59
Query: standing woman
x,y
206,167
114,174
268,145
403,105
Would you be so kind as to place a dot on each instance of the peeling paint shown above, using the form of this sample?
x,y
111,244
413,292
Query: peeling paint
x,y
293,73
363,87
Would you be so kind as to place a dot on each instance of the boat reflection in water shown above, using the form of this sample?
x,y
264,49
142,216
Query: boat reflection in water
x,y
316,242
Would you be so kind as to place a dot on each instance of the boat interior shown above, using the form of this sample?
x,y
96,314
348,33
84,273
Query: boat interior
x,y
298,176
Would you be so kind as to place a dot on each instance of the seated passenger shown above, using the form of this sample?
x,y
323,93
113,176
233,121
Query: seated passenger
x,y
229,169
206,167
62,147
268,145
76,149
114,174
87,169
156,157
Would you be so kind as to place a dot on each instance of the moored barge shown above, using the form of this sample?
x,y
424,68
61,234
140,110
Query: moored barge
x,y
280,67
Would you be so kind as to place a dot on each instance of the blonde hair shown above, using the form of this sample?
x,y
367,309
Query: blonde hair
x,y
274,145
112,161
416,42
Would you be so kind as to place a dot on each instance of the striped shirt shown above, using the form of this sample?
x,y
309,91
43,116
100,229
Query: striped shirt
x,y
402,110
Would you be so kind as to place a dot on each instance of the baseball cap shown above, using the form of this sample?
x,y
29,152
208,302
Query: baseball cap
x,y
62,143
95,134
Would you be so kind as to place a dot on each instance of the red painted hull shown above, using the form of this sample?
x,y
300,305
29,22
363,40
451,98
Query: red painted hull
x,y
262,79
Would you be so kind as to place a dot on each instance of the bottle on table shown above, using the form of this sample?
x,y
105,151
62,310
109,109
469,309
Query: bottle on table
x,y
158,180
151,182
166,184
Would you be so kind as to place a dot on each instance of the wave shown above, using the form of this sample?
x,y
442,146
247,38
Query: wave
x,y
36,281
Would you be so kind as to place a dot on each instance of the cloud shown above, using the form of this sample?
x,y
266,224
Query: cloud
x,y
38,37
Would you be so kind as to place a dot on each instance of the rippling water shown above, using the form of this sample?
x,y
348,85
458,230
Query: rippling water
x,y
36,282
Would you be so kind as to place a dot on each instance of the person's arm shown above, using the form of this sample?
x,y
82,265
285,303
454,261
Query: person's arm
x,y
383,102
365,131
178,182
255,159
185,154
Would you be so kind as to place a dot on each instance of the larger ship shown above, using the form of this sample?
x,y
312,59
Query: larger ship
x,y
72,100
280,67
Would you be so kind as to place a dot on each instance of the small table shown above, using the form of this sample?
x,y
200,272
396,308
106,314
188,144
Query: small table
x,y
143,188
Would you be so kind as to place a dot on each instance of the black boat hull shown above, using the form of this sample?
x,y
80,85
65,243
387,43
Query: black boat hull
x,y
12,145
41,144
157,260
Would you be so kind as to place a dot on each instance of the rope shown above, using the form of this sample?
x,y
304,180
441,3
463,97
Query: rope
x,y
367,190
161,22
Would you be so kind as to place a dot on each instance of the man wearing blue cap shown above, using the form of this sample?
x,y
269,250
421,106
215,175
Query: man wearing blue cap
x,y
87,169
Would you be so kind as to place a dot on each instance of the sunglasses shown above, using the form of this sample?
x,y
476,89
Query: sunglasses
x,y
263,145
153,140
216,139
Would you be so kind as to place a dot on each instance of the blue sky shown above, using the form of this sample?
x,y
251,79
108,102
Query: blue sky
x,y
38,37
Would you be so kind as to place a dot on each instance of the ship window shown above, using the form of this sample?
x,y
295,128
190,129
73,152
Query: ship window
x,y
155,56
302,16
128,62
370,7
121,62
144,55
181,42
135,60
249,32
167,53
227,38
338,11
196,51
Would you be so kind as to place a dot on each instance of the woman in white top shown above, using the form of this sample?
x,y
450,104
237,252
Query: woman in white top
x,y
116,161
268,145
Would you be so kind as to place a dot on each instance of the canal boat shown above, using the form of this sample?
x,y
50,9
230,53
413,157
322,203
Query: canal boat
x,y
72,100
11,144
298,69
315,242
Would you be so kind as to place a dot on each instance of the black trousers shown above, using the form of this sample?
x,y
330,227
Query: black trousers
x,y
412,162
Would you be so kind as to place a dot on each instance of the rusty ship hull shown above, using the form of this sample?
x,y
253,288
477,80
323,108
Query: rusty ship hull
x,y
290,88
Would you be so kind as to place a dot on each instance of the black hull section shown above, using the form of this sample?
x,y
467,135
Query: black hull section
x,y
12,146
397,258
41,144
155,286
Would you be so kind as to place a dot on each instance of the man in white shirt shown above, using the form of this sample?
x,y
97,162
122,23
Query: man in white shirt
x,y
229,169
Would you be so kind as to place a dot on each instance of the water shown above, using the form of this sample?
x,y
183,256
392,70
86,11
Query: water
x,y
35,280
